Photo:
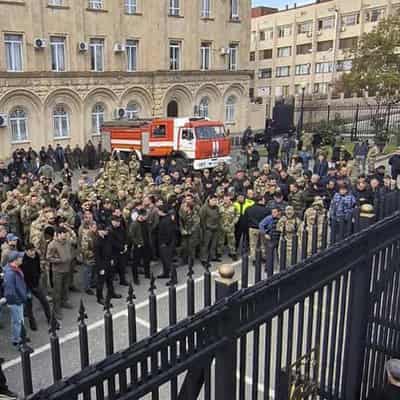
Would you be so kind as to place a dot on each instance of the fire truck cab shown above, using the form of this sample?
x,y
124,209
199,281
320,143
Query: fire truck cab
x,y
201,142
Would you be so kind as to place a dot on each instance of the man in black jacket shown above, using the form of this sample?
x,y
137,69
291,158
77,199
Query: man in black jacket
x,y
394,162
31,269
119,242
103,253
391,390
167,230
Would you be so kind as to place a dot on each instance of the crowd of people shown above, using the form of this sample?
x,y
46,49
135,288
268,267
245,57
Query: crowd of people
x,y
94,233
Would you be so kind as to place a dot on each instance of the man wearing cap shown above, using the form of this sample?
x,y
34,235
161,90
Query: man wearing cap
x,y
15,292
7,247
391,390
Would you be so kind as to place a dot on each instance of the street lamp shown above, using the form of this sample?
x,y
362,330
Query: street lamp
x,y
300,124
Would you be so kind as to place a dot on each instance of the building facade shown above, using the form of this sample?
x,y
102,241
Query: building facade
x,y
307,47
68,65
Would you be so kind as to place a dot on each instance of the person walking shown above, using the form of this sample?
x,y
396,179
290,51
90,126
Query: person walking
x,y
16,293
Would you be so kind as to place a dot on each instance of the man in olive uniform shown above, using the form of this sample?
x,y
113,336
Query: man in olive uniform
x,y
189,226
210,220
12,208
66,212
29,213
166,189
373,153
297,199
86,253
229,218
315,215
289,225
134,165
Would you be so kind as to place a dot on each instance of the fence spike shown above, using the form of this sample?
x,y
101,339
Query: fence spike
x,y
107,303
153,286
54,324
82,313
131,295
190,271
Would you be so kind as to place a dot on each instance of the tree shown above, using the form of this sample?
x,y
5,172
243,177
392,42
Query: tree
x,y
376,63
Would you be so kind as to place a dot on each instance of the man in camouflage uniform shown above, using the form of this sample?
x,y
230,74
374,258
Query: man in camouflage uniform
x,y
29,213
166,189
315,215
12,208
229,218
86,255
371,159
189,226
134,165
260,185
297,199
289,225
123,169
112,169
66,212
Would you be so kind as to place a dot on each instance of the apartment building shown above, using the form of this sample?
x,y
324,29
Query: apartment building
x,y
308,46
68,65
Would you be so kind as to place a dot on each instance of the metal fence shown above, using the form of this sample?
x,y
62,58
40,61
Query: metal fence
x,y
325,319
358,121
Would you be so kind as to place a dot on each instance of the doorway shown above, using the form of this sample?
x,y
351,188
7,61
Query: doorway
x,y
172,109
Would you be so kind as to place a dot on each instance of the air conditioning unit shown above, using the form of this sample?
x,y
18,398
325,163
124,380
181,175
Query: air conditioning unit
x,y
40,43
119,113
224,51
119,48
3,120
83,46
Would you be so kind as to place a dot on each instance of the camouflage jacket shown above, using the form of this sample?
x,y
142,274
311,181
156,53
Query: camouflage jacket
x,y
229,217
189,220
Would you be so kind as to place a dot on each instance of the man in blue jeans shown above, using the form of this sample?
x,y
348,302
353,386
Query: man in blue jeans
x,y
15,292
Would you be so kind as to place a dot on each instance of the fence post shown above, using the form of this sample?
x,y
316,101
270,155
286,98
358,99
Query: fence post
x,y
190,291
225,359
26,352
367,216
152,306
55,349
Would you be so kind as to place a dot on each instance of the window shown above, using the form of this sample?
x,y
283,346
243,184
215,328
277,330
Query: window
x,y
98,112
323,68
96,4
374,15
264,91
174,55
326,23
350,19
56,2
265,73
131,54
326,45
284,31
344,65
269,33
234,9
130,6
282,91
205,56
60,122
252,56
13,45
230,106
203,107
284,51
282,71
57,46
174,7
305,27
205,11
18,123
132,110
160,131
96,47
262,35
304,48
348,43
302,69
321,88
265,54
233,57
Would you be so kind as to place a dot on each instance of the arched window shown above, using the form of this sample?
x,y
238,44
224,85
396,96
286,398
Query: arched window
x,y
203,107
98,112
172,109
19,125
230,108
133,110
60,122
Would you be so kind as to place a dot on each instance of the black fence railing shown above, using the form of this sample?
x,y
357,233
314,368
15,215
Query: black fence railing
x,y
358,121
325,317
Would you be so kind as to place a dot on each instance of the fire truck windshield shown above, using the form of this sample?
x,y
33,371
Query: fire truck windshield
x,y
210,132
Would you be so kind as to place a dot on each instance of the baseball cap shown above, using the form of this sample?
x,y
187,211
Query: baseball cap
x,y
14,255
393,367
11,237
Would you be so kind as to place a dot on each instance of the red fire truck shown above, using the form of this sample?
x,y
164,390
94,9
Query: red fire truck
x,y
201,142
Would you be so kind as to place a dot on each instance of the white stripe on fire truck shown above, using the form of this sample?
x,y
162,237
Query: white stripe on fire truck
x,y
151,143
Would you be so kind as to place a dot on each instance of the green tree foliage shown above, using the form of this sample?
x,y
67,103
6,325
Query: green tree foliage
x,y
376,63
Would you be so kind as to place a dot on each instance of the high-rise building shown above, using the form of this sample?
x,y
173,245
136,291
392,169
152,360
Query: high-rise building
x,y
68,65
308,46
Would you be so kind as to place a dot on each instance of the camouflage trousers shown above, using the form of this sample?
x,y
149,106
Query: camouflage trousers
x,y
253,239
189,245
226,236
